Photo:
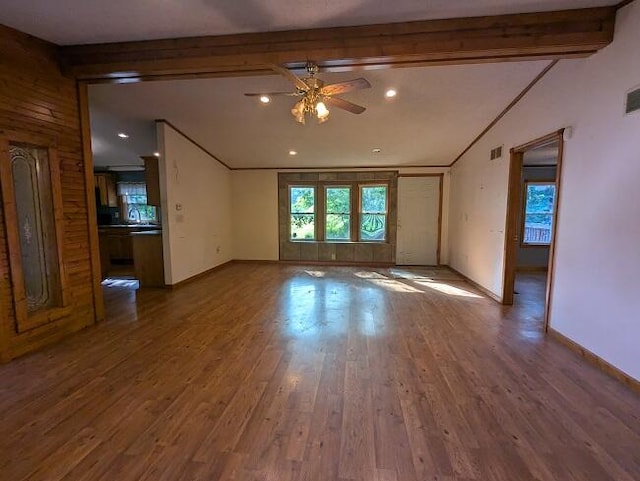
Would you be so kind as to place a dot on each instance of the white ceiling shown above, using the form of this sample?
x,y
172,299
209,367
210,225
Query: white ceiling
x,y
122,20
438,111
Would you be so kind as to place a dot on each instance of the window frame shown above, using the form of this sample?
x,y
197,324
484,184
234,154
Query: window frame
x,y
26,321
523,212
362,185
315,188
331,185
126,206
355,214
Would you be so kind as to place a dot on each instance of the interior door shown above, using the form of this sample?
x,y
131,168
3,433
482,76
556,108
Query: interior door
x,y
418,224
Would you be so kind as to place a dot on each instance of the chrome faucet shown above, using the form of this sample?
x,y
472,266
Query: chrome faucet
x,y
132,212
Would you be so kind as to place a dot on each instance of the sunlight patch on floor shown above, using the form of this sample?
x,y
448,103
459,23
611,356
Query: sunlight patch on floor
x,y
383,281
316,273
119,282
447,289
411,276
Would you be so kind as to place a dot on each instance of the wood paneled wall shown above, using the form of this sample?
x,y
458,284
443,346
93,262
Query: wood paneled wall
x,y
36,99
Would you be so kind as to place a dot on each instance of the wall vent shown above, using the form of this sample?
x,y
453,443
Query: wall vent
x,y
496,153
633,101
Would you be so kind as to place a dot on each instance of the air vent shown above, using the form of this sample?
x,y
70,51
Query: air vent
x,y
633,101
496,153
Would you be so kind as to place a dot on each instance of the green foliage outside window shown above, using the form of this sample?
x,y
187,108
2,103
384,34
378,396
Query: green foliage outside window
x,y
373,220
302,202
338,213
539,208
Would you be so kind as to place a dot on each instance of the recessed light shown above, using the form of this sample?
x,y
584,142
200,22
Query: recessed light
x,y
157,154
265,99
376,151
293,152
390,93
122,135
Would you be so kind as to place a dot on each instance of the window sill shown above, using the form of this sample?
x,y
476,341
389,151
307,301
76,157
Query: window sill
x,y
309,241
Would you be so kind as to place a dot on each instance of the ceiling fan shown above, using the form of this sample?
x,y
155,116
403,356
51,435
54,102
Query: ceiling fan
x,y
315,94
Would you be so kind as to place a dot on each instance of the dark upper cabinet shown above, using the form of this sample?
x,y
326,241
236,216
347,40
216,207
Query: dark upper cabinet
x,y
152,177
107,193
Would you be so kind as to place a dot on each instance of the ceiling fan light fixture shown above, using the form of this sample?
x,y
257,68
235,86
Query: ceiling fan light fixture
x,y
298,111
390,93
322,112
314,93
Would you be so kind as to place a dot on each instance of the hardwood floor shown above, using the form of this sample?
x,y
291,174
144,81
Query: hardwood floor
x,y
528,300
277,372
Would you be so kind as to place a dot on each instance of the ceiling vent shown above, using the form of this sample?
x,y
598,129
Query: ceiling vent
x,y
633,101
496,153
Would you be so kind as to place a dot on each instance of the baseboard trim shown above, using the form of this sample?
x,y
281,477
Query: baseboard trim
x,y
191,279
337,263
482,289
255,261
596,360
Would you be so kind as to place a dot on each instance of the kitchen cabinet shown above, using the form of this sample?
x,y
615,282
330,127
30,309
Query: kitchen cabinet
x,y
120,247
147,258
106,185
116,244
152,179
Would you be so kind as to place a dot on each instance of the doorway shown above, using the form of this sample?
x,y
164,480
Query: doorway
x,y
533,199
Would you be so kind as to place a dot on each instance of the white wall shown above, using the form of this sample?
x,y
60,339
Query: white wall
x,y
595,297
255,212
196,207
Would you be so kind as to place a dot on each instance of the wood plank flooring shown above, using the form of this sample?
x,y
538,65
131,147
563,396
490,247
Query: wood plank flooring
x,y
279,372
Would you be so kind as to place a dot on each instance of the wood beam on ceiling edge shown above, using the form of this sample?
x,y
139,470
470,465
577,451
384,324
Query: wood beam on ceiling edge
x,y
530,36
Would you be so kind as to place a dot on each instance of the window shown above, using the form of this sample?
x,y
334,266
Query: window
x,y
302,210
539,207
134,199
373,212
338,213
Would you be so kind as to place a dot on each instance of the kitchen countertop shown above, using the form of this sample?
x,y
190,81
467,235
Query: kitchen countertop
x,y
148,232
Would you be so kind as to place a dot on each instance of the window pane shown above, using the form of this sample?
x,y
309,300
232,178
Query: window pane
x,y
302,200
302,207
338,227
338,200
373,215
141,213
374,199
373,227
34,209
338,218
539,210
302,226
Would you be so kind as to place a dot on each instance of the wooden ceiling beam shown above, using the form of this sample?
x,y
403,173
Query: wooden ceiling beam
x,y
544,35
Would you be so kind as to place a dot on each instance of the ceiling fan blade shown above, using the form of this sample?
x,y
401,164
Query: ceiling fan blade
x,y
345,105
297,81
272,94
342,87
